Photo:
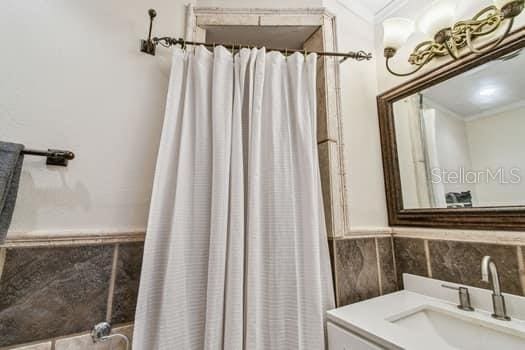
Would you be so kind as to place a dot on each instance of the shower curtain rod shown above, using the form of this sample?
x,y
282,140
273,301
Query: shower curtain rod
x,y
149,46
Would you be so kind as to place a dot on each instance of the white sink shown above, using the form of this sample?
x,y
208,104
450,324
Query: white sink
x,y
447,330
425,316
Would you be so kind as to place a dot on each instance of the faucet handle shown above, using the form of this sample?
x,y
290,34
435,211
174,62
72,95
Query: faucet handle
x,y
464,297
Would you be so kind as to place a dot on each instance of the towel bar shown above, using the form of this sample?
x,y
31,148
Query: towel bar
x,y
54,156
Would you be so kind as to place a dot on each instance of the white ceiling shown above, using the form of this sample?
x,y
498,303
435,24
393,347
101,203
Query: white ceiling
x,y
374,6
491,87
368,9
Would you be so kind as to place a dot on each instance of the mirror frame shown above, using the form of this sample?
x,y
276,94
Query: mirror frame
x,y
505,218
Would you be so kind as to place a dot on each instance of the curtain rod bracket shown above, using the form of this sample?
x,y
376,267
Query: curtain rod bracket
x,y
148,46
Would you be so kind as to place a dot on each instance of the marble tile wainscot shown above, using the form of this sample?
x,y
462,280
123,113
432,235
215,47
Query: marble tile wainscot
x,y
459,261
363,267
52,288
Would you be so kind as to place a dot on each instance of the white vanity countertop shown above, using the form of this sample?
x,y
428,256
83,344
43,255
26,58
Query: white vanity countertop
x,y
372,319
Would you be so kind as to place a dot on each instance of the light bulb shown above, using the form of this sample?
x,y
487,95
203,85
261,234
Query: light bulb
x,y
440,15
488,91
396,32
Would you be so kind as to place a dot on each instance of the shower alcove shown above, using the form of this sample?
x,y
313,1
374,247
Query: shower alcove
x,y
312,29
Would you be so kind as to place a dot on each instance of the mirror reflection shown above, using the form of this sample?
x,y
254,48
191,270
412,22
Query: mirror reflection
x,y
461,143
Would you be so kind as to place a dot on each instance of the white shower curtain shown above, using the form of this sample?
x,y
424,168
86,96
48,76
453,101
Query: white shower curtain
x,y
236,255
437,187
418,156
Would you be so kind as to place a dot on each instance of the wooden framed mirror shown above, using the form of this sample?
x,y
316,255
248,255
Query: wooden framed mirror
x,y
453,143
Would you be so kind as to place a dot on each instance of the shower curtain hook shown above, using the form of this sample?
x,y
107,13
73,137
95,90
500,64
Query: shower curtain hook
x,y
286,53
305,53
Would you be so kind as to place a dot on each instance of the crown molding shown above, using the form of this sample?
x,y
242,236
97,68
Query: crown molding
x,y
429,102
496,111
391,8
356,8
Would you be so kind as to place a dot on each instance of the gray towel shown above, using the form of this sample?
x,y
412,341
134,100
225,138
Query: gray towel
x,y
11,159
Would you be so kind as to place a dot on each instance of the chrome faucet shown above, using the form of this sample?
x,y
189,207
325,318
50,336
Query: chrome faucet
x,y
489,274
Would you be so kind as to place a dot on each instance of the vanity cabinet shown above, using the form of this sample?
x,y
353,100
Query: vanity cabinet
x,y
340,339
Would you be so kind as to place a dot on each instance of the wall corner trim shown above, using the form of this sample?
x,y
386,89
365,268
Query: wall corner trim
x,y
364,232
71,238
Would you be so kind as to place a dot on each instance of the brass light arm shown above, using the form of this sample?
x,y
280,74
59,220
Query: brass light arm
x,y
425,49
401,74
496,44
389,53
461,34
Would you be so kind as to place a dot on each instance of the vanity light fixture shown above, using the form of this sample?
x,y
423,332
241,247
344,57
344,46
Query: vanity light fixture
x,y
448,36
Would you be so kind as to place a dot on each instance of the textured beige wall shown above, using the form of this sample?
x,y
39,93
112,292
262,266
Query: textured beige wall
x,y
367,204
73,78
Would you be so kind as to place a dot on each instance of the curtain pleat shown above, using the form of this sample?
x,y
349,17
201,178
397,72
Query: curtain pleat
x,y
236,254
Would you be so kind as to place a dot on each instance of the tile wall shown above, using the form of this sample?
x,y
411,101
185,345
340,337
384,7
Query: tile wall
x,y
367,267
363,268
460,261
49,290
42,286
